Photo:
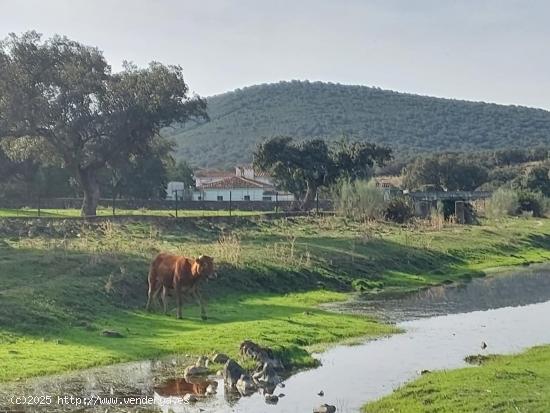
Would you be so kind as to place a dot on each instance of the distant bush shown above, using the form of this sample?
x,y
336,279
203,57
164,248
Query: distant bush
x,y
503,202
398,210
533,202
360,200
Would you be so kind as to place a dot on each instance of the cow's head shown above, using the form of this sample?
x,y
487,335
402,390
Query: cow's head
x,y
205,267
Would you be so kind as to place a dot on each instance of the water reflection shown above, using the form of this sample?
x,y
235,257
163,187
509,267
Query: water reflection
x,y
197,386
509,289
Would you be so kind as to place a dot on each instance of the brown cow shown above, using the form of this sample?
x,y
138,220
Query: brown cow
x,y
182,274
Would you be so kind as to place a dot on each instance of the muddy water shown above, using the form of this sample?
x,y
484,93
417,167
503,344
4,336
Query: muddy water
x,y
443,325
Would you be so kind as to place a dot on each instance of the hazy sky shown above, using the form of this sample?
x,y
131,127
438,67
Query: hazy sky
x,y
489,50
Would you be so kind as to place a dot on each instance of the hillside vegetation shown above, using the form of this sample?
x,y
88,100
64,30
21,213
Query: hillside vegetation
x,y
408,123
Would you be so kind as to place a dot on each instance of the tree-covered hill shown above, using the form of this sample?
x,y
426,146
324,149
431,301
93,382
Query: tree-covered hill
x,y
408,123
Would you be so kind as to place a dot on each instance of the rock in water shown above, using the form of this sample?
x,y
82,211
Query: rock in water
x,y
220,358
267,376
245,385
325,408
271,399
232,372
195,371
201,362
260,354
211,389
189,398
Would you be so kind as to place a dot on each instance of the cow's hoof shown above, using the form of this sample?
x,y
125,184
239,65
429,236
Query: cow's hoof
x,y
204,318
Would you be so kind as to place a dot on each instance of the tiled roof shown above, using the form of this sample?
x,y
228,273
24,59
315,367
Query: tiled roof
x,y
235,182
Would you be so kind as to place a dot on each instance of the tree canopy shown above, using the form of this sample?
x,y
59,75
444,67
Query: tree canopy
x,y
448,171
61,95
304,167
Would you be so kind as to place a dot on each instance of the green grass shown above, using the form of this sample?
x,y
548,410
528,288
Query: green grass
x,y
73,212
63,282
286,323
517,383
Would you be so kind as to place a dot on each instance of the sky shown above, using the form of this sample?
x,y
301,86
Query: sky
x,y
483,50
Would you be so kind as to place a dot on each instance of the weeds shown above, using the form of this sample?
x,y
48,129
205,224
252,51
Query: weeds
x,y
229,248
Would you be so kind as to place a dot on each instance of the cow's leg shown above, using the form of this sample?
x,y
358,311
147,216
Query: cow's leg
x,y
163,298
178,300
153,296
201,302
151,293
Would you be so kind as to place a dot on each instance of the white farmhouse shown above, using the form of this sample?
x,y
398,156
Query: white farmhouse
x,y
237,188
244,185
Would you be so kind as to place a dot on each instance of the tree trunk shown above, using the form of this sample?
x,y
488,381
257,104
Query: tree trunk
x,y
309,197
88,180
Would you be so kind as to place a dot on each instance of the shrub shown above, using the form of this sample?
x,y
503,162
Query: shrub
x,y
360,200
398,210
533,202
503,202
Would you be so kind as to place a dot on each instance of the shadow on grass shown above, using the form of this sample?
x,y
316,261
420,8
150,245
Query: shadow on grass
x,y
539,240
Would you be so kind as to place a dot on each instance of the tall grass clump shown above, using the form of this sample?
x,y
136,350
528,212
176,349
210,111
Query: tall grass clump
x,y
360,200
229,248
503,202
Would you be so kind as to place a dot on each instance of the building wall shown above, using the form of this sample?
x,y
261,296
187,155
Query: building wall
x,y
175,186
238,194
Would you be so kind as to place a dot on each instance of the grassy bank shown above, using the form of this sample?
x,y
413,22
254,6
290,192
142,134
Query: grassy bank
x,y
517,383
63,282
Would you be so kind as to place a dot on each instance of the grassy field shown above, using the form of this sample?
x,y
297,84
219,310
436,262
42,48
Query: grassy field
x,y
73,212
63,282
517,383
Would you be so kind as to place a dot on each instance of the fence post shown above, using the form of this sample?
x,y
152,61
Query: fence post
x,y
39,203
229,203
176,191
277,202
317,203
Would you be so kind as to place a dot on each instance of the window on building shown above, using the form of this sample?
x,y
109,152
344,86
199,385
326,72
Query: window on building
x,y
247,197
266,198
220,197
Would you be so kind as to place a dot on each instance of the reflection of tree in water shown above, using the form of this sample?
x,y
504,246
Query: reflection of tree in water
x,y
514,288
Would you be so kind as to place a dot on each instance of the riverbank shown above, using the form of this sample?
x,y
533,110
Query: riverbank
x,y
62,285
512,383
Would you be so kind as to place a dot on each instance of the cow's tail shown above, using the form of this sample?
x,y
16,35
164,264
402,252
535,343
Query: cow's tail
x,y
151,281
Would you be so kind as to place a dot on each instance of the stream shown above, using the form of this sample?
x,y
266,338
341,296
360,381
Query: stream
x,y
509,312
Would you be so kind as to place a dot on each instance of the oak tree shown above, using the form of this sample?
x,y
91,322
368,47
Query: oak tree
x,y
62,95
